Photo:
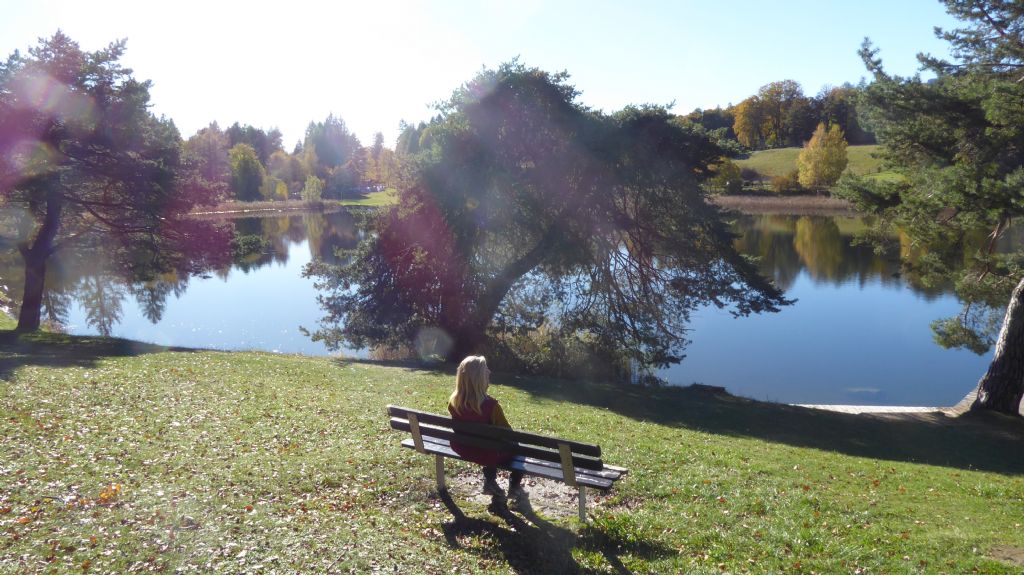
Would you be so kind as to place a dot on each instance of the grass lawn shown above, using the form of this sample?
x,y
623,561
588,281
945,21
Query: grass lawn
x,y
781,161
119,457
383,198
373,199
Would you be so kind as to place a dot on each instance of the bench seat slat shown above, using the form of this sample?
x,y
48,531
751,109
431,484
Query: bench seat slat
x,y
501,433
519,463
620,470
431,430
605,473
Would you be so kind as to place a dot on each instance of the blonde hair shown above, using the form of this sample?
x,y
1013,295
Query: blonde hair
x,y
471,383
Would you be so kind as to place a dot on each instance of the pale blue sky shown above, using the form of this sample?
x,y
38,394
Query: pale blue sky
x,y
285,64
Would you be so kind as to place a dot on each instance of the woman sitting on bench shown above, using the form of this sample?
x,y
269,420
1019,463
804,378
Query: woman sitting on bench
x,y
470,402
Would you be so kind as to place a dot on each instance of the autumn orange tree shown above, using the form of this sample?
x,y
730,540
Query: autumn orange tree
x,y
778,115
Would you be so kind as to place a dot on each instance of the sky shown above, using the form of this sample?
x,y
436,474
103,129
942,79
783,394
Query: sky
x,y
375,63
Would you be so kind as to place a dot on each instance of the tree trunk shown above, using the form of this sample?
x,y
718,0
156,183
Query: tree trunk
x,y
1002,386
35,256
32,300
469,337
466,340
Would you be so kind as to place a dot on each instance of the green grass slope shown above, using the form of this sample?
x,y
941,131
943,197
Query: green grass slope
x,y
382,198
781,161
119,457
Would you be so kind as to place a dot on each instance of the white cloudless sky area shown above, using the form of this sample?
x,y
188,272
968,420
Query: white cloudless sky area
x,y
374,63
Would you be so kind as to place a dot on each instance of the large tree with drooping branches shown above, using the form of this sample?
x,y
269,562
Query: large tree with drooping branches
x,y
526,208
87,164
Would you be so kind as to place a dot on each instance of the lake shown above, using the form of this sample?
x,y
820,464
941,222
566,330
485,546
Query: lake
x,y
858,334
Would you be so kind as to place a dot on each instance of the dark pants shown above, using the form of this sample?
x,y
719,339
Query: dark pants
x,y
514,477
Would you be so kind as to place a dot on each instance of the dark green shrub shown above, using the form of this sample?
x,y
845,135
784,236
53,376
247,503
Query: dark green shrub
x,y
788,184
750,174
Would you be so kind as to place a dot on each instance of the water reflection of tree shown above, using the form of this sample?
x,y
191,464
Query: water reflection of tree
x,y
99,280
326,234
828,249
88,278
102,298
769,238
820,247
342,232
275,231
152,296
56,303
262,241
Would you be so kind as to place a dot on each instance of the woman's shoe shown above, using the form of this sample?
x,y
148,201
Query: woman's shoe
x,y
492,488
518,495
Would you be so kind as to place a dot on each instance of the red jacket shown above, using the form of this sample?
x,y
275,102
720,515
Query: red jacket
x,y
490,413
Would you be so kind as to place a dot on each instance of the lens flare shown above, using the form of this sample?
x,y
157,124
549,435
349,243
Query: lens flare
x,y
433,343
28,159
43,94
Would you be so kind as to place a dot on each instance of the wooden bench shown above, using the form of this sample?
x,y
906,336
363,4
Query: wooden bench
x,y
577,464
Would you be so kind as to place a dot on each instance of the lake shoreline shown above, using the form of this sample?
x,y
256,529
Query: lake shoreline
x,y
230,209
246,209
803,205
800,205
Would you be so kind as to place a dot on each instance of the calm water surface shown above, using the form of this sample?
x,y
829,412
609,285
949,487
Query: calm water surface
x,y
859,332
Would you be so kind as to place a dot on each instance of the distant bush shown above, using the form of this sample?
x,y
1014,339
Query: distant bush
x,y
788,184
541,351
650,380
548,352
313,191
750,174
728,178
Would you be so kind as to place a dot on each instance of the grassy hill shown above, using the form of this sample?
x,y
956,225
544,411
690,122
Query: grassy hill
x,y
781,161
120,457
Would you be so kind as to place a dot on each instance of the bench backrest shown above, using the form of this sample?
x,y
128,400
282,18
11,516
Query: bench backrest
x,y
543,447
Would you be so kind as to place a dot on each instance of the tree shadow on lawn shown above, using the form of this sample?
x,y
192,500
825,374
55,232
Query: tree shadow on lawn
x,y
977,441
535,545
61,350
406,364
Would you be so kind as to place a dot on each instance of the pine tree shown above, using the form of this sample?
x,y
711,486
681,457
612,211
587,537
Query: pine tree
x,y
958,142
83,156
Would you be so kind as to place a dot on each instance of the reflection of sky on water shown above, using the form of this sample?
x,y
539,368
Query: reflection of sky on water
x,y
858,334
261,309
849,344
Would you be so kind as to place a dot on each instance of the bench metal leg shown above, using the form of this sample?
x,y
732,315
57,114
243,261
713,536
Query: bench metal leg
x,y
439,472
583,504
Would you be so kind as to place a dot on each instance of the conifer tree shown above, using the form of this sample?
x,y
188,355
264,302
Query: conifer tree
x,y
958,143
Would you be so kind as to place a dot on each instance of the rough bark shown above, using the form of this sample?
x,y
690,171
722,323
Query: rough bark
x,y
467,340
469,337
1002,386
35,255
32,300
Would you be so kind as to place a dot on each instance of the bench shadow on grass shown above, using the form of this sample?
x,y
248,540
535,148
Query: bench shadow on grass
x,y
978,441
60,350
531,544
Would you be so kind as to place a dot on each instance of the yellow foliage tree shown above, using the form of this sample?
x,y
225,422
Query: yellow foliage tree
x,y
823,158
749,121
